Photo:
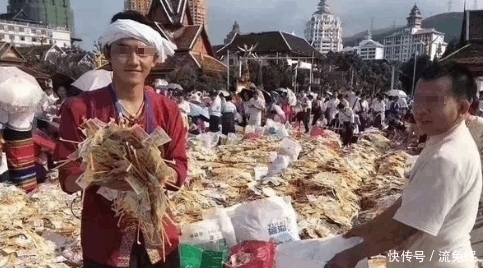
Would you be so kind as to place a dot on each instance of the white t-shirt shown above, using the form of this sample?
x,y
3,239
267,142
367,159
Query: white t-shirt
x,y
184,107
441,201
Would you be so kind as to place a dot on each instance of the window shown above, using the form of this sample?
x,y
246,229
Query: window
x,y
21,29
34,39
11,28
22,38
2,36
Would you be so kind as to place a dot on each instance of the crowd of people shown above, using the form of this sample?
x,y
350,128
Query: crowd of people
x,y
436,212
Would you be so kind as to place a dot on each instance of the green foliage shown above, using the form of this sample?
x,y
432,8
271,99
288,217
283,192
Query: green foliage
x,y
407,72
66,64
191,78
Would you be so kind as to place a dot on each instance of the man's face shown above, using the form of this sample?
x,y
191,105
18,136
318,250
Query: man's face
x,y
132,60
435,107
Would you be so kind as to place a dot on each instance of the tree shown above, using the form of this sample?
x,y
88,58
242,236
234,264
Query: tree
x,y
186,76
452,47
407,72
98,45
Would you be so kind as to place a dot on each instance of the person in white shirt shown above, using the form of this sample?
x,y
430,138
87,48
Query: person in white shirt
x,y
347,120
215,112
228,111
183,106
332,106
438,208
378,109
307,110
256,106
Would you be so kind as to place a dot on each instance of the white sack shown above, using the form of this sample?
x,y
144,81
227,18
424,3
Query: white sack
x,y
314,253
266,219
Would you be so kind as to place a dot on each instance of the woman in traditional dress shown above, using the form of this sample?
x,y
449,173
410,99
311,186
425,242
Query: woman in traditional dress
x,y
20,150
215,112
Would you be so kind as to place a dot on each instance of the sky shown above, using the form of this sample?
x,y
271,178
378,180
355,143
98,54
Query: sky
x,y
91,16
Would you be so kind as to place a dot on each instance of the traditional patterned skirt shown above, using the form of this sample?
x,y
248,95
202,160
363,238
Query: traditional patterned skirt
x,y
20,151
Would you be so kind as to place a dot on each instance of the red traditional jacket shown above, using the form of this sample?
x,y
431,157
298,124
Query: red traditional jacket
x,y
102,240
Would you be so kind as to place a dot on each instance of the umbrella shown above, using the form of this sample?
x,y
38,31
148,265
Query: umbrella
x,y
175,86
196,110
396,93
20,91
92,80
224,92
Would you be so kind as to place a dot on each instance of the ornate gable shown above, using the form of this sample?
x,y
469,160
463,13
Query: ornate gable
x,y
8,53
170,13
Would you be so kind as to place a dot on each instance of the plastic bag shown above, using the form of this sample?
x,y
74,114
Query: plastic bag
x,y
279,165
252,254
209,139
269,219
209,233
197,257
291,148
314,253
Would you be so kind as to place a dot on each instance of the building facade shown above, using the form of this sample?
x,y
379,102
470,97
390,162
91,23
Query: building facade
x,y
198,10
368,49
28,34
141,6
54,13
324,30
413,39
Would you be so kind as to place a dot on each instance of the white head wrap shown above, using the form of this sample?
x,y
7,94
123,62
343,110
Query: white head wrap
x,y
121,29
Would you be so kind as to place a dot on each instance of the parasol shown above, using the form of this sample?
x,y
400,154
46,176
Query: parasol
x,y
175,86
92,80
396,93
20,91
196,110
224,92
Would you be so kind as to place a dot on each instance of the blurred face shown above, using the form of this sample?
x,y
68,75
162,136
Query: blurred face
x,y
132,60
435,108
62,92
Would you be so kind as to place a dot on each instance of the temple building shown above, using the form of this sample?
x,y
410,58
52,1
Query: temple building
x,y
368,49
173,18
470,48
324,30
413,39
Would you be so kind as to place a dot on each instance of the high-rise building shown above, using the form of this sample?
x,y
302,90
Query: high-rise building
x,y
198,11
141,6
324,30
413,39
53,13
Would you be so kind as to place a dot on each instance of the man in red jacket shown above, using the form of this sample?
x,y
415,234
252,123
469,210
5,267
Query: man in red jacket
x,y
133,47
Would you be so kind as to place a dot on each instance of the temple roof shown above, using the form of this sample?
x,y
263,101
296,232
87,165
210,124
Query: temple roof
x,y
272,42
174,11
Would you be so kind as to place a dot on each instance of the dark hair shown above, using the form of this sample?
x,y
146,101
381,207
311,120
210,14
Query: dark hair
x,y
474,107
358,93
340,96
463,82
135,16
228,98
340,106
